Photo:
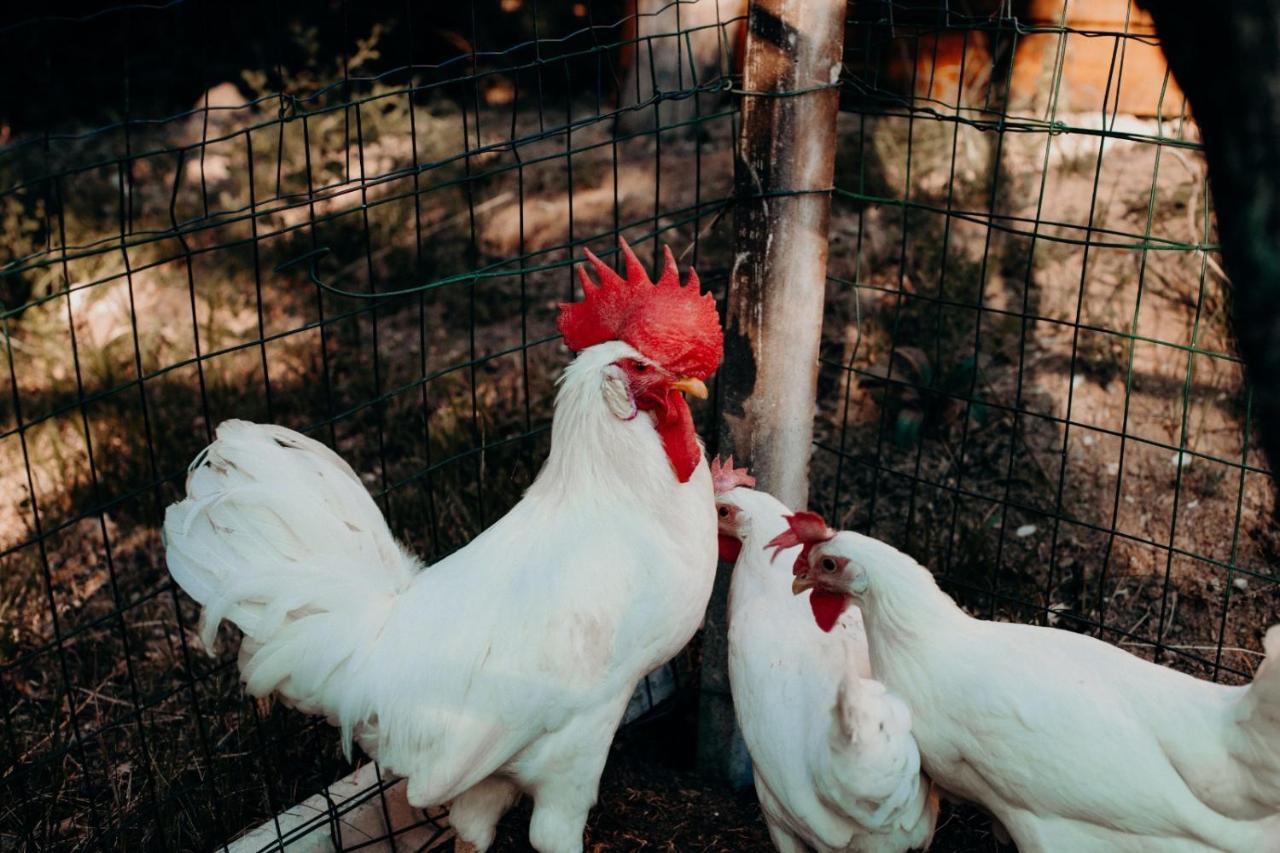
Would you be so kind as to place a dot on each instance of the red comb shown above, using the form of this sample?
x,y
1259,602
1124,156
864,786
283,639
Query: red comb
x,y
674,325
803,528
725,477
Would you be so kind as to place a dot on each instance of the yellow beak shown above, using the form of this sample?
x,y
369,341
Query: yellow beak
x,y
800,584
692,387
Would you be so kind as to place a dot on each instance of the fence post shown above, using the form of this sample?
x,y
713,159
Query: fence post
x,y
783,175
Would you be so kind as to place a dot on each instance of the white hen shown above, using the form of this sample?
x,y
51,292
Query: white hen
x,y
836,767
505,667
1071,743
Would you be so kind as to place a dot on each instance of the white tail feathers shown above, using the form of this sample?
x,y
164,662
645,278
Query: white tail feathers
x,y
1258,715
876,766
873,726
278,535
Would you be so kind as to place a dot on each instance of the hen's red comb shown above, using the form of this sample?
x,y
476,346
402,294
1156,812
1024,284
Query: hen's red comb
x,y
674,325
803,528
725,477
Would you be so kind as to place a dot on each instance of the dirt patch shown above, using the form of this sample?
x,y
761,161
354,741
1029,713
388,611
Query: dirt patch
x,y
1048,411
1058,430
652,799
124,729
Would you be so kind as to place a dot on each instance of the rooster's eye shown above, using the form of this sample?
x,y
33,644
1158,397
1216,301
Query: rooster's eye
x,y
828,564
724,512
641,367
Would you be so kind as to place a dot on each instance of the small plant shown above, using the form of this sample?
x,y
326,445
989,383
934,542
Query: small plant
x,y
924,397
1103,356
22,233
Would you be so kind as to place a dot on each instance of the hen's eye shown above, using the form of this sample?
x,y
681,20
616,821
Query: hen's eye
x,y
827,564
641,367
724,511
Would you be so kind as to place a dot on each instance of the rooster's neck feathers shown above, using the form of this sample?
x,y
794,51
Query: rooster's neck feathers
x,y
594,453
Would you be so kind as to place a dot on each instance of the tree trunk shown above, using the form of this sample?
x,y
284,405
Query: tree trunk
x,y
1227,60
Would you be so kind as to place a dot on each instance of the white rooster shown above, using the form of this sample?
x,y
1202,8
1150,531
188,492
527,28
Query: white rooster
x,y
1071,743
836,767
505,667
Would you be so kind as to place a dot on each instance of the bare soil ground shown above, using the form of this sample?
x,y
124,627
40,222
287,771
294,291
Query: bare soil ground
x,y
650,799
1029,451
1059,431
440,399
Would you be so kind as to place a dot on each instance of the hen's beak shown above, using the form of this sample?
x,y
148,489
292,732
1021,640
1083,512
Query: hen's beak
x,y
691,386
801,583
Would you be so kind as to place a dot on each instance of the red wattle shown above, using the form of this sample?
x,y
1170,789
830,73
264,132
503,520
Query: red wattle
x,y
675,428
827,607
730,548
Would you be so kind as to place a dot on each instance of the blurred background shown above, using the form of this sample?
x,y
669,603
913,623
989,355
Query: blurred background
x,y
357,220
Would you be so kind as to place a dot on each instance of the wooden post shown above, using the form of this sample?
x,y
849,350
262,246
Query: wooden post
x,y
783,176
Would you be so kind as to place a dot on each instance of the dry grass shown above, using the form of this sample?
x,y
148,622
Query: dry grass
x,y
1040,392
434,398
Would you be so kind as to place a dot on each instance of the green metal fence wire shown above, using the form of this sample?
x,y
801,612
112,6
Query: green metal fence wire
x,y
1004,394
361,230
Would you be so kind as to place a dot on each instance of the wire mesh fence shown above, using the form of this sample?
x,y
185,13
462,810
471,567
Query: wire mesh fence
x,y
358,222
1028,377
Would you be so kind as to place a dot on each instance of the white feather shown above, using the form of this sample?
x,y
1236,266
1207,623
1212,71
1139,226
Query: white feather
x,y
511,659
835,763
1070,742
